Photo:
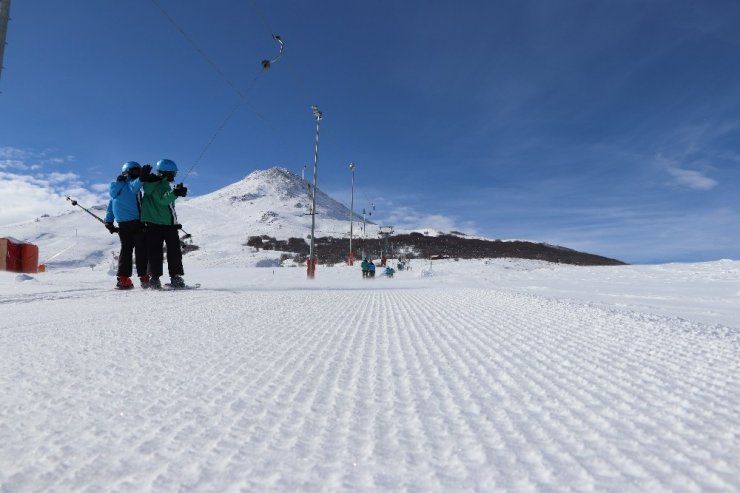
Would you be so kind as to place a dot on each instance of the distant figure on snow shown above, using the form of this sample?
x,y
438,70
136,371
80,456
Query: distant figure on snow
x,y
371,269
365,266
389,271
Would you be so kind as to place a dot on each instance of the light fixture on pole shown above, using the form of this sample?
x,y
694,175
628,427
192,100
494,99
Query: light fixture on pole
x,y
351,257
311,263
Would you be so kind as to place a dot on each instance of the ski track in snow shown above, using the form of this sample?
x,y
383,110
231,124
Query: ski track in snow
x,y
377,389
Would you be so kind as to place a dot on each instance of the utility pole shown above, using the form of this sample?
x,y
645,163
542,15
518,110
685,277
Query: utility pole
x,y
351,257
384,232
364,225
311,264
4,18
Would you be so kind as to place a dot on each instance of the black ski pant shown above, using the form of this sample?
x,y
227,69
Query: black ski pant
x,y
133,242
156,236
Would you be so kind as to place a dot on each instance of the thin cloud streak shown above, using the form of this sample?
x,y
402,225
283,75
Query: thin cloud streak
x,y
692,179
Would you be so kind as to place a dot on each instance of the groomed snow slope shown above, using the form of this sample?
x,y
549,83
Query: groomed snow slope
x,y
471,376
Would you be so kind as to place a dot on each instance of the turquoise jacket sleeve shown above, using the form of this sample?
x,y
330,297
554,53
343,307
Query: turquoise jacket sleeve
x,y
109,212
134,185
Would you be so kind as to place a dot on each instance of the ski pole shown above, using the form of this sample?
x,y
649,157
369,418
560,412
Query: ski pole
x,y
186,235
74,202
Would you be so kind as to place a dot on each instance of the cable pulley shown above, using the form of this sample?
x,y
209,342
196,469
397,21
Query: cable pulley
x,y
266,64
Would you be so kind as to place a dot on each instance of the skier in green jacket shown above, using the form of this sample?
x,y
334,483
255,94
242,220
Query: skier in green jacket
x,y
160,220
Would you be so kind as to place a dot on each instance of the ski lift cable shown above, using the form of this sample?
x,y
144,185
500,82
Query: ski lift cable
x,y
196,47
213,138
219,129
289,68
209,60
261,16
242,94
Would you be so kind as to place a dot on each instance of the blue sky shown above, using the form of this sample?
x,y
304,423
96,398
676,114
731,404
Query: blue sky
x,y
611,127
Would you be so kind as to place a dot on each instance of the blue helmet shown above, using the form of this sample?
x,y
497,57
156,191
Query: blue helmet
x,y
129,165
166,165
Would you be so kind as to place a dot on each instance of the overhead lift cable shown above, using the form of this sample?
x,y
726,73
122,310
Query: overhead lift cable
x,y
242,94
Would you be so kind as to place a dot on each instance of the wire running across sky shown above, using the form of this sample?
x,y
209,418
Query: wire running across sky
x,y
242,94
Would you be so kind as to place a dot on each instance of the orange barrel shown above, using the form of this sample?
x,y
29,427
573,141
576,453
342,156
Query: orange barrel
x,y
29,258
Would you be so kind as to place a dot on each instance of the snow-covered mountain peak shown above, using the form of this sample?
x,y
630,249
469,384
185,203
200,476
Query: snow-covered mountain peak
x,y
275,190
274,202
278,182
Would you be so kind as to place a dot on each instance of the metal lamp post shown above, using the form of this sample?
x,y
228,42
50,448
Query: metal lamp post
x,y
351,257
365,212
363,233
311,264
4,18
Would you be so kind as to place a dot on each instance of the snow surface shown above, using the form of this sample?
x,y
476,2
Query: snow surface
x,y
499,375
505,375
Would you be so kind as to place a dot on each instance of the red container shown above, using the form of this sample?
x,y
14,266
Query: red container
x,y
3,253
12,255
29,258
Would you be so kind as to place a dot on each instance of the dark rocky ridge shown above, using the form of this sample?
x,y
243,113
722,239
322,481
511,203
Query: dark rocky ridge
x,y
334,250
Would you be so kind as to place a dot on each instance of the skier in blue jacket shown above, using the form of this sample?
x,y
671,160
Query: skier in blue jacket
x,y
125,208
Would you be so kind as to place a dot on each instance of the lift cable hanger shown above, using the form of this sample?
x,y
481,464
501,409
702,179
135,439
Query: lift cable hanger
x,y
266,64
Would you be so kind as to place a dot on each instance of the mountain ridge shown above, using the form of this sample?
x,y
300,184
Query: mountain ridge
x,y
272,203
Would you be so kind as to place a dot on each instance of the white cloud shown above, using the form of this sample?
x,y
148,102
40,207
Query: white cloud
x,y
691,179
27,191
13,153
63,178
409,218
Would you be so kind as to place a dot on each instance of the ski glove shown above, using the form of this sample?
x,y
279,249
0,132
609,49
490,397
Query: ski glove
x,y
121,178
180,190
146,175
111,228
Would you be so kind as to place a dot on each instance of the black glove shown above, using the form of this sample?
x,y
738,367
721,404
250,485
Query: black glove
x,y
111,228
121,178
146,175
180,190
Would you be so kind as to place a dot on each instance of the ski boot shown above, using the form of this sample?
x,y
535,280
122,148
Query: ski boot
x,y
154,283
124,282
177,282
144,281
